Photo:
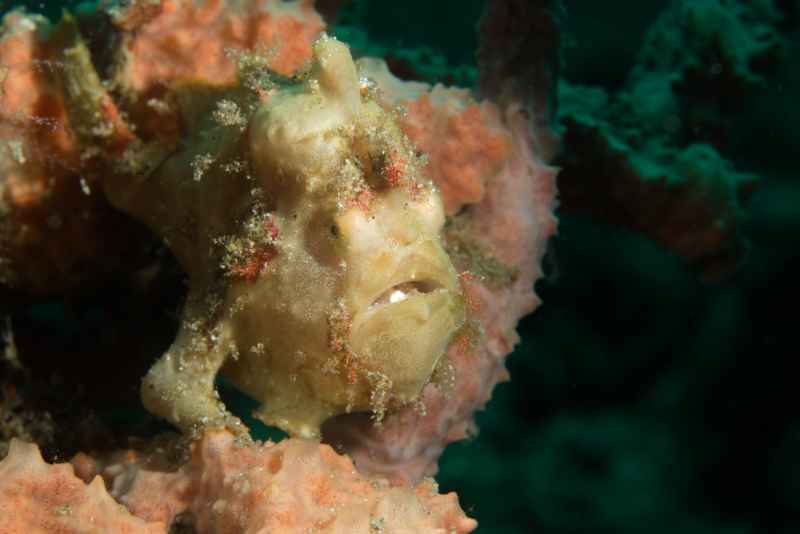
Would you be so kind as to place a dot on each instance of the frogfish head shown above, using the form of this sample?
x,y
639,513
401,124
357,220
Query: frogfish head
x,y
357,302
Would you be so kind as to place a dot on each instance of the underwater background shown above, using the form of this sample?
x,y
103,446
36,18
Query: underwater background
x,y
655,389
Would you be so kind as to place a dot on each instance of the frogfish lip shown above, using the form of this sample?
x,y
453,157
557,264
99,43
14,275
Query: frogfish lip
x,y
405,324
417,274
405,290
404,332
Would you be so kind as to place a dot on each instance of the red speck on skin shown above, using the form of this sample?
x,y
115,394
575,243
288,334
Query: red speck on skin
x,y
271,228
351,377
336,344
250,270
351,368
395,170
362,200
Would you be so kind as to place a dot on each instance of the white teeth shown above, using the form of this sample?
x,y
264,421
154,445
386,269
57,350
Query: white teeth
x,y
405,290
397,296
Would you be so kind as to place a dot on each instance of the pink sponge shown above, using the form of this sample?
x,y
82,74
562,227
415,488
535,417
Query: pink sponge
x,y
37,498
292,486
225,487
